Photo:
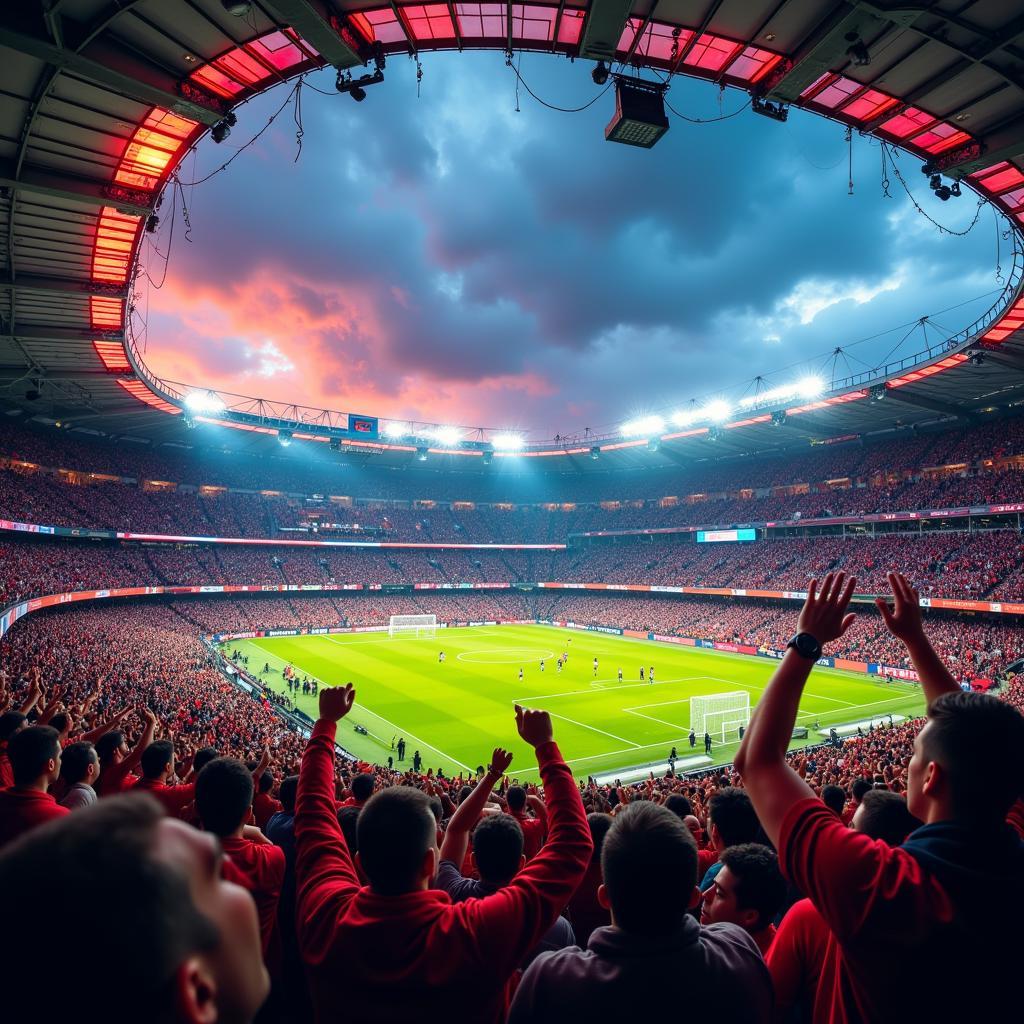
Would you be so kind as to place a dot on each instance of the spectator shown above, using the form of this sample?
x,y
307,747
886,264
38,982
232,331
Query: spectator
x,y
35,762
157,763
264,806
79,770
731,821
653,949
183,943
534,828
897,912
457,958
586,911
749,890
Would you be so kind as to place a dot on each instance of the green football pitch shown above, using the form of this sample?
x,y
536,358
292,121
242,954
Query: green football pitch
x,y
455,713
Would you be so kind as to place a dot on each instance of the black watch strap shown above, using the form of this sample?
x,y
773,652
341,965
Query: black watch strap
x,y
806,646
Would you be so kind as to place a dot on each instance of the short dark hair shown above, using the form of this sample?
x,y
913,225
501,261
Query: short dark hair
x,y
60,721
679,805
649,867
860,787
498,847
732,813
10,723
288,791
103,857
348,818
599,824
156,757
885,816
75,761
109,744
834,798
516,798
759,882
30,750
362,787
224,793
204,755
266,781
395,831
983,789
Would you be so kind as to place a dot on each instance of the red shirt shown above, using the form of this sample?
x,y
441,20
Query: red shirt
x,y
535,831
264,807
6,771
705,858
418,955
796,958
259,867
24,809
896,922
115,779
173,798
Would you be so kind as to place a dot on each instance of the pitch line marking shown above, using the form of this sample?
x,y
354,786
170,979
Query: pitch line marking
x,y
593,728
422,742
651,718
606,689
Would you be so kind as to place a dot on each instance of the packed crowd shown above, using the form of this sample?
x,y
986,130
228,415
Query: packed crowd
x,y
228,869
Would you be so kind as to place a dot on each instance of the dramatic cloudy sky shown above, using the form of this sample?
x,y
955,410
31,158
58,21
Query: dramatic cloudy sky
x,y
448,258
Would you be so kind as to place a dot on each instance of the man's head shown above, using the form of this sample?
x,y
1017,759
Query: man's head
x,y
158,760
516,799
288,791
498,848
188,943
649,867
599,825
883,815
362,787
35,756
62,722
266,781
204,755
947,779
859,788
397,837
834,798
79,763
749,890
348,819
732,819
678,804
224,794
10,723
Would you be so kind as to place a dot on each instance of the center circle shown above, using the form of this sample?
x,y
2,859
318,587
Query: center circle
x,y
513,656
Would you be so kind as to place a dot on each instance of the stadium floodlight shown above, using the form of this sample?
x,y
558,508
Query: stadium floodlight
x,y
643,426
684,417
595,452
810,387
204,403
717,410
284,438
396,429
600,73
446,435
508,442
640,118
421,453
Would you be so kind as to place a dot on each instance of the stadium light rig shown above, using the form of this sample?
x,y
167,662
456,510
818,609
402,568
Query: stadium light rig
x,y
284,438
448,436
204,403
643,426
508,442
356,87
717,411
806,387
640,118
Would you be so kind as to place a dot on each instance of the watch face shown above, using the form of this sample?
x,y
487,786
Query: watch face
x,y
806,645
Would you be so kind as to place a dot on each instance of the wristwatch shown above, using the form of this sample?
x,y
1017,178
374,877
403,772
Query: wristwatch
x,y
806,646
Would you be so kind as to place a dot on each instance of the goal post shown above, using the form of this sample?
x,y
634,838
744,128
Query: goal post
x,y
720,714
412,625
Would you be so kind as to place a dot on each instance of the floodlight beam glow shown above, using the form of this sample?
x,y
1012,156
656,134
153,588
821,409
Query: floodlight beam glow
x,y
446,435
508,442
205,403
643,426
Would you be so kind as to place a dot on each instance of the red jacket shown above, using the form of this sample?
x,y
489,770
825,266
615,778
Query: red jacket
x,y
24,809
174,799
796,959
264,807
259,867
535,831
418,956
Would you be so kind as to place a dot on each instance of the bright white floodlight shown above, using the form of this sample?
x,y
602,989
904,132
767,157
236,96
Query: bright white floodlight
x,y
684,417
718,411
204,403
508,442
396,429
446,435
643,426
810,387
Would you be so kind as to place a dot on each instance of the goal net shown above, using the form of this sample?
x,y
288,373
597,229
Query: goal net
x,y
412,625
720,715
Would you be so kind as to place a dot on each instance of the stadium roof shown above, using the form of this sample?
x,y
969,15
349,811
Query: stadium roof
x,y
100,102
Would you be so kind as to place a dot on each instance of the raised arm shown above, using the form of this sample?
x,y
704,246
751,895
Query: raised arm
x,y
325,876
903,620
456,839
134,756
104,727
507,924
773,786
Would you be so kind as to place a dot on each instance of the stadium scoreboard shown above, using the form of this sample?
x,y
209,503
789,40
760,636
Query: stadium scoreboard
x,y
715,536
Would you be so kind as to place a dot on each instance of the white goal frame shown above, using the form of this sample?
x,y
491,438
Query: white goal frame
x,y
720,713
412,625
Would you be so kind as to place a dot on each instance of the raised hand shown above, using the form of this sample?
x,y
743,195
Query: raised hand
x,y
336,702
534,726
903,619
500,760
824,613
